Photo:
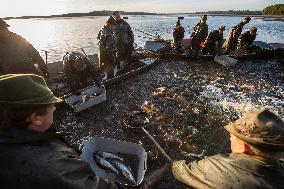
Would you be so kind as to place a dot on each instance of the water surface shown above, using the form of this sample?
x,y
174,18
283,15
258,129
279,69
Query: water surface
x,y
60,35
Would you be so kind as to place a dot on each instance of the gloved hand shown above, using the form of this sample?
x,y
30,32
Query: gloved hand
x,y
46,74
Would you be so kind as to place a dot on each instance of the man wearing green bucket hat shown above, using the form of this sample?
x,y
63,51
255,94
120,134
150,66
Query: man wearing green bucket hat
x,y
257,144
30,155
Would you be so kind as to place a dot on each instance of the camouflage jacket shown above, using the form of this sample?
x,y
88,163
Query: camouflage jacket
x,y
237,30
200,31
232,40
106,45
19,56
236,171
246,39
214,39
178,33
33,160
123,33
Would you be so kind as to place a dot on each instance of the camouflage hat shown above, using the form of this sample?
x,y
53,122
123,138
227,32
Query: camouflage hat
x,y
260,128
3,24
25,89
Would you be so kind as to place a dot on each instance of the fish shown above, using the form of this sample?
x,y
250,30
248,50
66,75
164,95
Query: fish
x,y
124,171
108,155
105,164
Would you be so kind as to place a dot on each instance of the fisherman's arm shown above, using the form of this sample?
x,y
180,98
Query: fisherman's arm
x,y
72,173
130,33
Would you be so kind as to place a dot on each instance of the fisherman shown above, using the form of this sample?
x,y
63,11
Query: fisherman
x,y
199,34
178,35
124,39
107,51
32,156
246,39
17,55
80,72
256,161
232,38
214,41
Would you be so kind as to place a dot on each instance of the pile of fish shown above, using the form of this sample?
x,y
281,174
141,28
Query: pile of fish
x,y
117,165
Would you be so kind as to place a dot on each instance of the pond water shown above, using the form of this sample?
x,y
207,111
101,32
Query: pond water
x,y
60,35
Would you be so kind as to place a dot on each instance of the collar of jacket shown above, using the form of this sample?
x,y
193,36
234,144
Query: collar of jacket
x,y
26,136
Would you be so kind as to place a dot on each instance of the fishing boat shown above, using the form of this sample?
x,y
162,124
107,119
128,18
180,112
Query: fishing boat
x,y
57,79
261,50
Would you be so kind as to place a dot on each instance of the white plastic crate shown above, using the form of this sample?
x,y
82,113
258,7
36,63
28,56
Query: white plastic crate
x,y
90,146
226,60
89,97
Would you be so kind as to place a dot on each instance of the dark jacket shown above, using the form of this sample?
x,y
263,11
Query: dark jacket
x,y
106,46
123,32
246,40
178,33
237,171
19,56
124,39
232,39
33,160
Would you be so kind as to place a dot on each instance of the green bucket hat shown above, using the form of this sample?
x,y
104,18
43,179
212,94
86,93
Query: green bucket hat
x,y
25,89
260,128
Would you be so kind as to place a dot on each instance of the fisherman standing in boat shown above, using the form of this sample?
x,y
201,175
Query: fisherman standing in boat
x,y
214,41
17,55
247,38
256,161
199,34
178,35
232,38
107,51
124,39
32,156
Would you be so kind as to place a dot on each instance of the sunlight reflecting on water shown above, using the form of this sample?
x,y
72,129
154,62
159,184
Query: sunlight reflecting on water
x,y
60,35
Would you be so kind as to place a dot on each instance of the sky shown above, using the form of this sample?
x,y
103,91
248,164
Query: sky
x,y
51,7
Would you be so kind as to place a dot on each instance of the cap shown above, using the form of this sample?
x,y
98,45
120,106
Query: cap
x,y
247,18
25,89
3,24
260,128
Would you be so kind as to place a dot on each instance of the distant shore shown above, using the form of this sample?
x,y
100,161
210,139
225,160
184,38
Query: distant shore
x,y
108,13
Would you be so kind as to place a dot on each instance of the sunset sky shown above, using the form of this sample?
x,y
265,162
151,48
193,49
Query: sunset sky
x,y
49,7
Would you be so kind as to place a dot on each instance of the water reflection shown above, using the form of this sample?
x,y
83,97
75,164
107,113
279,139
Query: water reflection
x,y
59,35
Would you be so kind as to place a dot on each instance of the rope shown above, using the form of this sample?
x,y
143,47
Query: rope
x,y
155,37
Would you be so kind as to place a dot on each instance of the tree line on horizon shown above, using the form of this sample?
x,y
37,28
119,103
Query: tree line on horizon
x,y
277,9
